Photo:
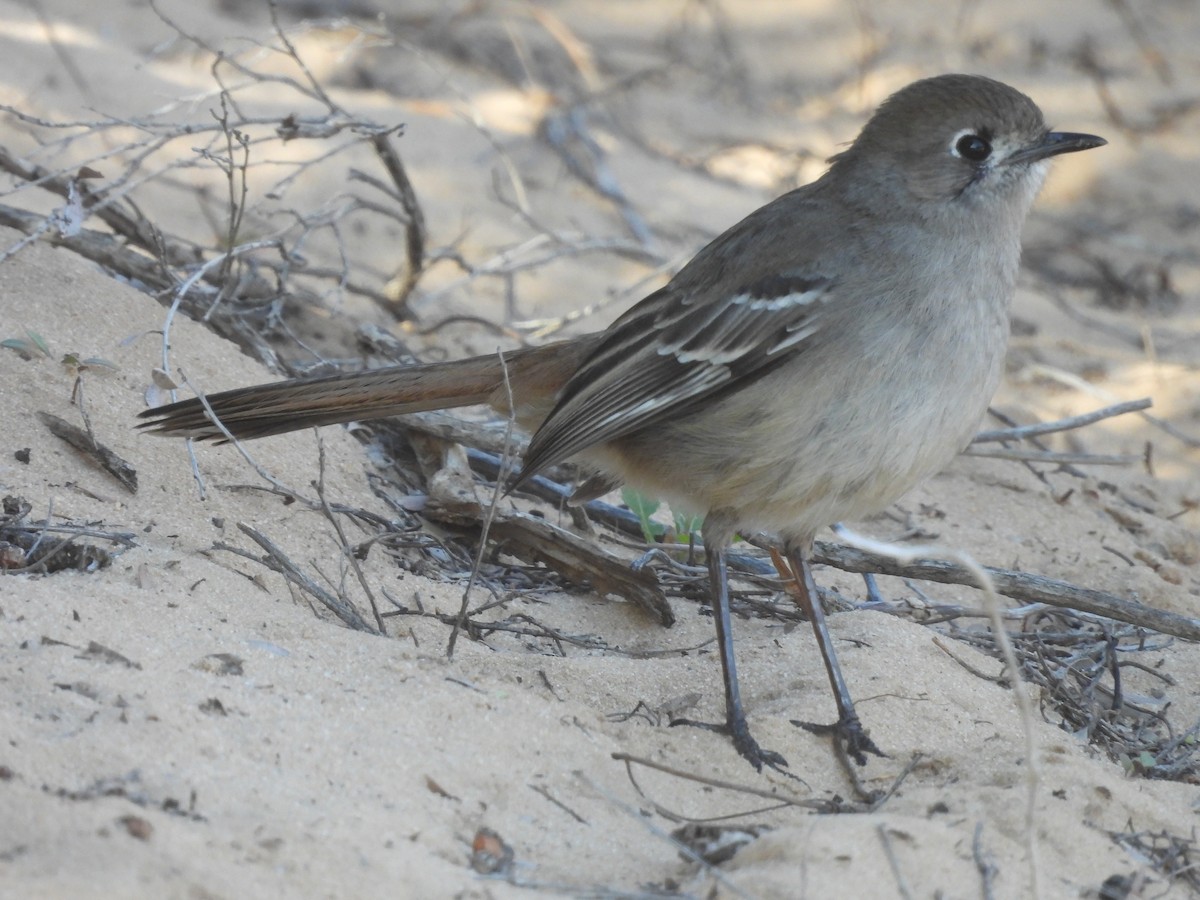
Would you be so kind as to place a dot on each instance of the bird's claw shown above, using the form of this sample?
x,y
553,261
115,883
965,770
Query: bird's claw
x,y
745,744
850,733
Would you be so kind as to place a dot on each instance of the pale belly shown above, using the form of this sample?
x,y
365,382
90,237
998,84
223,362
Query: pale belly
x,y
847,445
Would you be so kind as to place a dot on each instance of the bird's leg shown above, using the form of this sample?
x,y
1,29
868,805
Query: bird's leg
x,y
848,727
735,717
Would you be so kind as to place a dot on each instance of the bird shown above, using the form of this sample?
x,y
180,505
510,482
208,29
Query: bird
x,y
809,365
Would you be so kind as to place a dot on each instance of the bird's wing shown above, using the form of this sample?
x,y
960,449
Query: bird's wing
x,y
673,350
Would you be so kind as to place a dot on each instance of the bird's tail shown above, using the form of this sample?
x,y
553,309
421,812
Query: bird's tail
x,y
285,406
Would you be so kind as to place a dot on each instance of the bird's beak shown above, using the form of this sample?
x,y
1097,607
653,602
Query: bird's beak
x,y
1054,143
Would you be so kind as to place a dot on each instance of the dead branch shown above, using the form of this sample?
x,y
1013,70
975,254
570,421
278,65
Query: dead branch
x,y
401,286
278,561
580,561
1041,428
86,444
1019,585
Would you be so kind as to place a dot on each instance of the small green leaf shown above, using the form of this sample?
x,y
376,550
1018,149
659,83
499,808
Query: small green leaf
x,y
686,523
639,504
33,344
643,507
99,362
39,342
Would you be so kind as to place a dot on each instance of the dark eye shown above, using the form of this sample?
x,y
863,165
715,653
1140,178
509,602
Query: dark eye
x,y
973,147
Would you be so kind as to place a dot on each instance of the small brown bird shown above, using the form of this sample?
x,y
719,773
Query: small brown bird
x,y
809,365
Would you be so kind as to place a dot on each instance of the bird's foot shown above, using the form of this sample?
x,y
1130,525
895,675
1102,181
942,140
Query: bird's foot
x,y
851,735
743,742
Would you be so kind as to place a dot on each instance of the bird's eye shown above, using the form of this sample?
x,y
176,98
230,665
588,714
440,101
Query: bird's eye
x,y
972,147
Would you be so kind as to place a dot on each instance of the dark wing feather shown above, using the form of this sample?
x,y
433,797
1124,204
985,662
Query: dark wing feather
x,y
672,351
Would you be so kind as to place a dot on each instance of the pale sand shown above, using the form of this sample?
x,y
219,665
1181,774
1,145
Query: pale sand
x,y
337,764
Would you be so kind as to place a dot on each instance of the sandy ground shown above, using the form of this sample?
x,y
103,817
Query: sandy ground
x,y
181,724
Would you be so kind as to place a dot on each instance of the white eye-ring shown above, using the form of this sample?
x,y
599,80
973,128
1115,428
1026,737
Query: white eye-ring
x,y
971,145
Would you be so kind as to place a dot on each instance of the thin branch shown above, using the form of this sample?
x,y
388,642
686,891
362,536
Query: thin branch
x,y
1019,585
278,561
1028,431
